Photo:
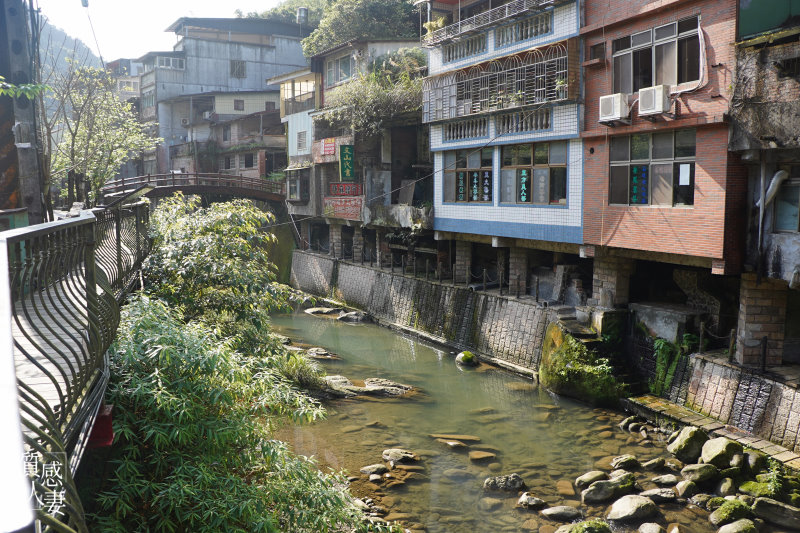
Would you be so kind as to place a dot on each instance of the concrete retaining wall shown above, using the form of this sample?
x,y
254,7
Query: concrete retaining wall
x,y
498,327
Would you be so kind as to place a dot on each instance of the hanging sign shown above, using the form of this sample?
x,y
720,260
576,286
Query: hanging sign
x,y
338,188
329,146
347,162
345,208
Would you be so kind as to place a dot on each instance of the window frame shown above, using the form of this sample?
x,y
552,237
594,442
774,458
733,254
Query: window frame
x,y
533,166
647,164
793,168
253,160
624,47
302,135
333,71
297,184
238,104
238,68
483,171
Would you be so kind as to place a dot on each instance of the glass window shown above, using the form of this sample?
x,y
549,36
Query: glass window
x,y
642,68
508,185
786,208
487,155
618,185
666,64
659,172
449,187
685,143
623,82
662,145
640,146
619,148
541,154
666,31
558,153
472,179
558,185
688,59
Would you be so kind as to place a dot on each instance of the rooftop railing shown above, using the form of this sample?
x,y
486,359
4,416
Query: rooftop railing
x,y
484,20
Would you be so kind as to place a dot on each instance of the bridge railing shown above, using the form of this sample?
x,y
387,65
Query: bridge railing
x,y
227,181
62,283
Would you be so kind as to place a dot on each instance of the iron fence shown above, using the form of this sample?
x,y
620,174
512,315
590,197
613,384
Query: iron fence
x,y
65,280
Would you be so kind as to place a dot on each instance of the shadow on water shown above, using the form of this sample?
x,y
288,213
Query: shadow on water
x,y
548,440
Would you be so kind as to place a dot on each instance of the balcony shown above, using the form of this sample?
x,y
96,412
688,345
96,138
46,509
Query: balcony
x,y
298,104
539,76
484,20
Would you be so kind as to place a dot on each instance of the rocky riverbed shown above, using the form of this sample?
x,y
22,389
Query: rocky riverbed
x,y
484,450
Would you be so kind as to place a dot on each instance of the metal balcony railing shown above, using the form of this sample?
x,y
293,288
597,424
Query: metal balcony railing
x,y
484,20
63,283
303,102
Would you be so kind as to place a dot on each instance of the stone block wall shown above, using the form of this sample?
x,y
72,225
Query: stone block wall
x,y
518,270
495,326
335,240
463,261
313,273
611,275
762,313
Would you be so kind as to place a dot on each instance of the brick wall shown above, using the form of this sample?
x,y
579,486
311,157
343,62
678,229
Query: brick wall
x,y
611,274
701,230
762,313
495,326
335,239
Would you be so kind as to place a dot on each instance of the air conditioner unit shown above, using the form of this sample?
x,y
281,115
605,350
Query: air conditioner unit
x,y
207,115
184,122
613,107
654,100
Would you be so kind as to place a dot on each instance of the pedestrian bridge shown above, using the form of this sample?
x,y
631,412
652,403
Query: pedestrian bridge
x,y
161,185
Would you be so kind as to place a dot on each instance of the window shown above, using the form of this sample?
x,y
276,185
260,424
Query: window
x,y
339,70
238,105
238,68
597,51
297,184
226,133
787,201
665,55
302,140
653,169
228,163
468,175
534,174
269,106
171,62
248,160
149,99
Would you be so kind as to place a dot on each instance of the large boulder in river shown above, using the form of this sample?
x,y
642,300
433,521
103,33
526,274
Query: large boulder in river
x,y
466,358
720,451
688,445
699,473
353,316
608,489
743,525
589,526
510,483
569,368
398,455
777,513
590,477
632,507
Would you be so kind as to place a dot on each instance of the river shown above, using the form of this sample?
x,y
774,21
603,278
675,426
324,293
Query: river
x,y
548,440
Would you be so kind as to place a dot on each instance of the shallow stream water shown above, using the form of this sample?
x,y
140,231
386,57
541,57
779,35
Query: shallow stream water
x,y
548,440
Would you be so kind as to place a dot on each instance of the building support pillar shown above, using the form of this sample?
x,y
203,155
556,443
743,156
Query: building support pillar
x,y
611,281
461,269
335,240
518,271
762,314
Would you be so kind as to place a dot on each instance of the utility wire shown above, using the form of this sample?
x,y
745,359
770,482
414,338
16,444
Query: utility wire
x,y
97,44
432,174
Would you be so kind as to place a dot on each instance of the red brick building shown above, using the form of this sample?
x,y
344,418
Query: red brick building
x,y
662,194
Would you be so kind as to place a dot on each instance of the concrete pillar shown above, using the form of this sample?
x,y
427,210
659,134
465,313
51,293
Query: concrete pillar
x,y
762,313
380,256
358,244
335,240
463,261
305,234
611,281
518,271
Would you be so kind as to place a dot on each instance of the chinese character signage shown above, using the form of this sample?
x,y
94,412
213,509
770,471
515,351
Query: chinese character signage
x,y
346,162
524,177
639,185
461,186
486,186
47,469
344,189
348,208
329,146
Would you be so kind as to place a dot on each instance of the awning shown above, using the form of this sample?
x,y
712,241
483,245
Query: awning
x,y
299,166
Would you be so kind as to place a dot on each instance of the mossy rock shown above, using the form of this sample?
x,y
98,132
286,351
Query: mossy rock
x,y
466,358
591,526
568,368
794,499
715,503
730,511
757,489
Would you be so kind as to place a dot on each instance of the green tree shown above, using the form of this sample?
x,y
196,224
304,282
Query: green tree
x,y
392,88
345,20
286,11
97,131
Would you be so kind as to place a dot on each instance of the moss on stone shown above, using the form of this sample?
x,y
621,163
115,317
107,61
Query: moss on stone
x,y
715,503
567,367
591,526
468,357
730,511
757,489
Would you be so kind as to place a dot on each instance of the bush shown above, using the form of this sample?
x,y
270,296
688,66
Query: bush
x,y
193,448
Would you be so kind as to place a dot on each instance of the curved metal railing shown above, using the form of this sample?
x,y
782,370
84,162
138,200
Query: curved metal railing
x,y
242,184
65,282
